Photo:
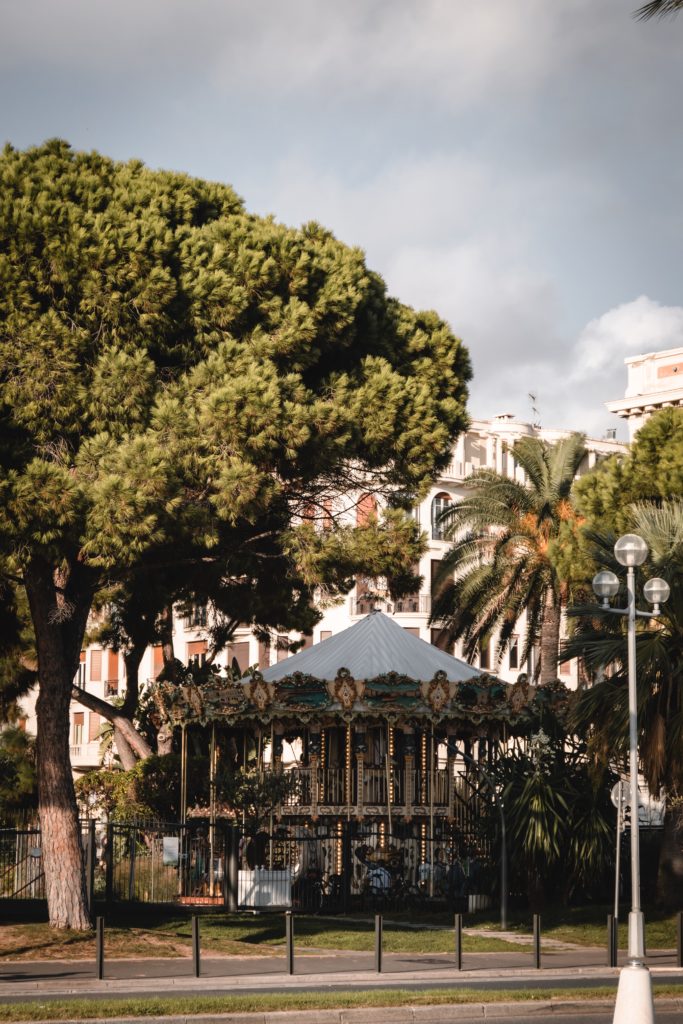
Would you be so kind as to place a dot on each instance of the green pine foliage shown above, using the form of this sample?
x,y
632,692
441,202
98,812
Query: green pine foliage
x,y
652,470
174,366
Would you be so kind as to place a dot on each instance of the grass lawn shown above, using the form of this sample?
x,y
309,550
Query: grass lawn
x,y
144,930
166,934
587,926
84,1009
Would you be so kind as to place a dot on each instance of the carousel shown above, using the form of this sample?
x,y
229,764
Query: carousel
x,y
384,741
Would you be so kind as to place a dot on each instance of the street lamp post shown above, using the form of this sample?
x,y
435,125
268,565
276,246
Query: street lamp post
x,y
634,996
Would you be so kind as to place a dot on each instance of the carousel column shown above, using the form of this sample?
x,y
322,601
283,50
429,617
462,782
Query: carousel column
x,y
389,783
360,747
276,741
409,769
424,794
184,859
452,753
314,747
213,755
348,769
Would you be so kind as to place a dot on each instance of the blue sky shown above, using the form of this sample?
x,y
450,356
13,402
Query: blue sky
x,y
514,164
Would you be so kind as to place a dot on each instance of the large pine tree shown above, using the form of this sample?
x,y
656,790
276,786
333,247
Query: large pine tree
x,y
177,376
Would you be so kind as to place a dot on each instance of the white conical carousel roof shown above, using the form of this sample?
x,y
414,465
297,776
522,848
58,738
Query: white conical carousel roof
x,y
372,647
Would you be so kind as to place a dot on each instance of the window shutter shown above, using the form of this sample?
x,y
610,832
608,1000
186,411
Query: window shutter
x,y
239,653
112,665
96,666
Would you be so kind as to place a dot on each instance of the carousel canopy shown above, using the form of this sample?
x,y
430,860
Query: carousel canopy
x,y
375,646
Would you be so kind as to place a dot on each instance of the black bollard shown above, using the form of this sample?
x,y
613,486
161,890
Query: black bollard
x,y
612,940
679,940
99,947
537,941
458,941
289,941
378,943
196,964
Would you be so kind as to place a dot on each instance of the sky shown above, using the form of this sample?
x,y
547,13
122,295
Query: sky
x,y
512,164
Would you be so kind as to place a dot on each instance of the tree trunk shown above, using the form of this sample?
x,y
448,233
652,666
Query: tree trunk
x,y
59,624
165,733
550,638
137,743
670,870
127,755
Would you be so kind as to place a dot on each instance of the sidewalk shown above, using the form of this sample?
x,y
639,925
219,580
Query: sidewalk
x,y
344,971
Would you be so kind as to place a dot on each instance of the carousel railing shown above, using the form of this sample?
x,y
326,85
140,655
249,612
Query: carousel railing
x,y
330,786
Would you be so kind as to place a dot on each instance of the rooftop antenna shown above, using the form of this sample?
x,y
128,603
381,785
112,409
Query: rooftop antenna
x,y
534,410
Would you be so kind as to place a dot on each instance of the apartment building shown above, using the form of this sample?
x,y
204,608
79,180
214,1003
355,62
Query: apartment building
x,y
655,381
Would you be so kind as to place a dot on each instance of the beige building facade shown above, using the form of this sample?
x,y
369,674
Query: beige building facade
x,y
655,381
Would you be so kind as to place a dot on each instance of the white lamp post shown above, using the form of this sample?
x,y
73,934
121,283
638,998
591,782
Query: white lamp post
x,y
634,996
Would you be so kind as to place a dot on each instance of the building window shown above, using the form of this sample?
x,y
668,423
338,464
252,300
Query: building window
x,y
157,660
238,657
565,668
78,728
93,726
196,653
438,582
197,616
413,630
325,634
365,509
282,648
513,652
111,685
79,681
485,656
440,639
440,503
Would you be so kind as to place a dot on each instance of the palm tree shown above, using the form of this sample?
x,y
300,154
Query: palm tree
x,y
603,709
658,9
501,563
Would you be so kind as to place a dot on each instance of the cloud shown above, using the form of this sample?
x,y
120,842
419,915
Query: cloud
x,y
454,53
629,329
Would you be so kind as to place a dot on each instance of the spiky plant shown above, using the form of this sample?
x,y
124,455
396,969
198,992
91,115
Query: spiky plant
x,y
501,563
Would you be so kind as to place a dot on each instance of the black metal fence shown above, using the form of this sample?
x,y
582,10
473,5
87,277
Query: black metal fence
x,y
319,867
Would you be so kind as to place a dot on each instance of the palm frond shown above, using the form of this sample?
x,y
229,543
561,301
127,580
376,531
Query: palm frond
x,y
658,9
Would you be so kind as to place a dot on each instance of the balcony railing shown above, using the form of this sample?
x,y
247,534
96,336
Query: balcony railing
x,y
420,604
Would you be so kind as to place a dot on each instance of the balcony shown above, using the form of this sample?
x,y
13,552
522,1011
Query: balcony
x,y
419,604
